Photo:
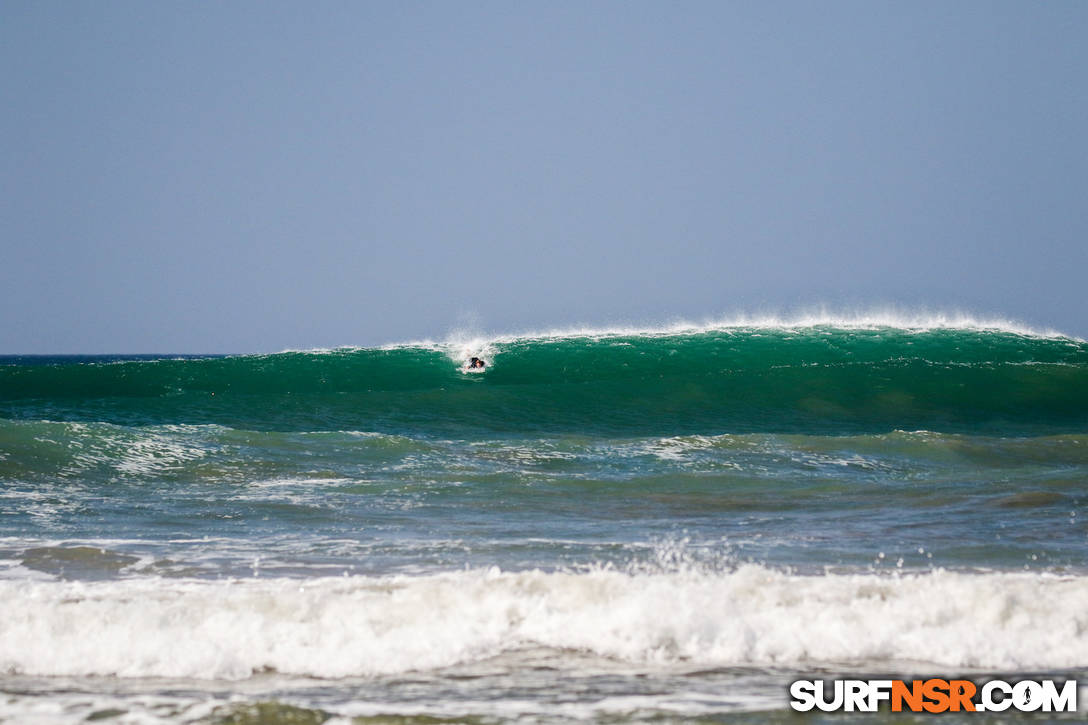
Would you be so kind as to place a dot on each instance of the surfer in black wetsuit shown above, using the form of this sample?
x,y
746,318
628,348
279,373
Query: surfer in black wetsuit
x,y
477,363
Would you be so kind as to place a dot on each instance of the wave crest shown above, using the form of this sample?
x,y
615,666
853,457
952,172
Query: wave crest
x,y
729,379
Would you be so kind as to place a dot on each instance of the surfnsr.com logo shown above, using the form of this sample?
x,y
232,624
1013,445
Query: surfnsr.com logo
x,y
934,695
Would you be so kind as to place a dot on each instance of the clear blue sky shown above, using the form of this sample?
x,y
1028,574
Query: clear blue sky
x,y
254,176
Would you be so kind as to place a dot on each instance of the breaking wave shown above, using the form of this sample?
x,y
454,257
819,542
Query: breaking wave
x,y
361,626
821,378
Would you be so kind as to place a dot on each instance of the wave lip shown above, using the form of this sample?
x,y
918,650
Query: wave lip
x,y
361,626
874,319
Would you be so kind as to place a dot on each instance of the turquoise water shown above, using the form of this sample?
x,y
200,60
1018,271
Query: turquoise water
x,y
610,526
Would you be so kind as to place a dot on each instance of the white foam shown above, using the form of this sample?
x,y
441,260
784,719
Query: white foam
x,y
461,345
345,626
868,319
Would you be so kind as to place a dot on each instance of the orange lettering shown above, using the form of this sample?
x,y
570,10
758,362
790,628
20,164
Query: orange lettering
x,y
912,695
936,691
961,692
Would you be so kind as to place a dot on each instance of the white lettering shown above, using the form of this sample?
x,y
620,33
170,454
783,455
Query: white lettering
x,y
855,696
836,702
1027,696
804,695
1064,701
988,701
879,691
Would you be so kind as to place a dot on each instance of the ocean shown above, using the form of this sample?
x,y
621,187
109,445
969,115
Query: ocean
x,y
658,525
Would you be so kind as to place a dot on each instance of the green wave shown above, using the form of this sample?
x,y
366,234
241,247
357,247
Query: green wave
x,y
820,379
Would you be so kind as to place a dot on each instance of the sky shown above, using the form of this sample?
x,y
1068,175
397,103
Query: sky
x,y
204,177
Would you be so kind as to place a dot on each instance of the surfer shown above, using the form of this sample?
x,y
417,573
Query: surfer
x,y
477,363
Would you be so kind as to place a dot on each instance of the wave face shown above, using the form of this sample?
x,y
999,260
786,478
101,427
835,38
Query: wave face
x,y
817,378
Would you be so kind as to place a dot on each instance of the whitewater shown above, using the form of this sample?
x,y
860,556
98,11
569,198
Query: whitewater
x,y
624,524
